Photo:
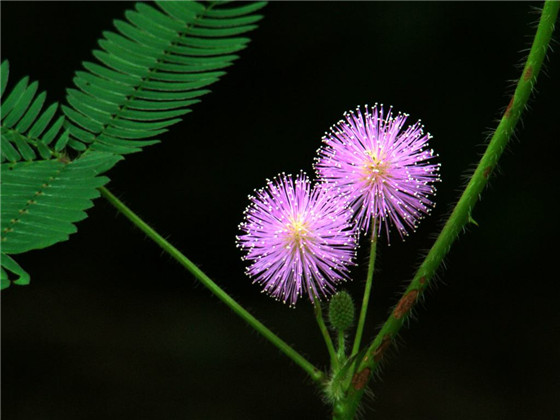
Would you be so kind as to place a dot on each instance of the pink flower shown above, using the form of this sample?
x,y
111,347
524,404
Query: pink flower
x,y
383,169
299,239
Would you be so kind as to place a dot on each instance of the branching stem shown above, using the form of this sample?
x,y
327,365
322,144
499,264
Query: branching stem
x,y
285,348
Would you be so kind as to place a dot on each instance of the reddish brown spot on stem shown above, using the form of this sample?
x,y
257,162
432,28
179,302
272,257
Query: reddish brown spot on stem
x,y
379,351
508,109
422,280
528,73
486,171
360,379
405,304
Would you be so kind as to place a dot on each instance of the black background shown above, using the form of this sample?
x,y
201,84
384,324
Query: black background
x,y
110,327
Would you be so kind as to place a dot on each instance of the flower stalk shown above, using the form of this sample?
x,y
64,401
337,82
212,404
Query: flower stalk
x,y
367,290
325,333
341,352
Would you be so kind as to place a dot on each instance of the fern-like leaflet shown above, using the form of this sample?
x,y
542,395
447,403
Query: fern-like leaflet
x,y
152,72
25,131
43,193
148,75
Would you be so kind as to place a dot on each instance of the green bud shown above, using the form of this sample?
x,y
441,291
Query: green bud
x,y
341,311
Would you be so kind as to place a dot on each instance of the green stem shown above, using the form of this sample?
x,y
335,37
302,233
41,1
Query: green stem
x,y
297,358
325,333
367,291
341,345
461,214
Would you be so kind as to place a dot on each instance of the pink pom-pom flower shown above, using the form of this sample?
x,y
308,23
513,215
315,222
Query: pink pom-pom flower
x,y
383,168
299,238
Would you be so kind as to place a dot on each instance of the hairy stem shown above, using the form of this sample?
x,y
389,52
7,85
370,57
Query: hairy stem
x,y
367,291
461,214
285,348
325,333
341,345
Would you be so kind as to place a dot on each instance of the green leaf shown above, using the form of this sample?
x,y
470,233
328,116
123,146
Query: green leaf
x,y
147,75
4,71
157,64
32,113
23,147
236,11
42,199
62,141
25,129
41,124
43,192
8,263
14,96
11,118
53,131
9,151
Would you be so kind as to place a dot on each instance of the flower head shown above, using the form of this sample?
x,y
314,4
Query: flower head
x,y
300,239
383,168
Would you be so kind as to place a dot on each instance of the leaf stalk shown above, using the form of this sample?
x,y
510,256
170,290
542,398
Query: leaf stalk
x,y
284,347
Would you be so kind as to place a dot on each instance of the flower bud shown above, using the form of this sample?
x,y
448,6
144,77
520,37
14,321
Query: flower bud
x,y
341,311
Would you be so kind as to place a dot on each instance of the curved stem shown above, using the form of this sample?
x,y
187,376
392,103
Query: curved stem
x,y
461,214
367,290
285,348
325,332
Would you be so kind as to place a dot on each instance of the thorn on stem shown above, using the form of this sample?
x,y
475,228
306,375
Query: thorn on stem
x,y
471,220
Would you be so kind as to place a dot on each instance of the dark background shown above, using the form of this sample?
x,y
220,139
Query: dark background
x,y
110,327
